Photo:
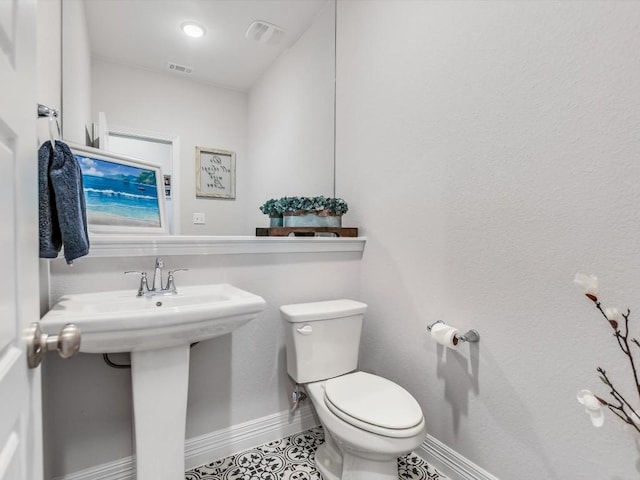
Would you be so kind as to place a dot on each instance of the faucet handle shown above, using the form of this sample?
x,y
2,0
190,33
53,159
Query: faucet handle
x,y
171,284
178,270
130,272
143,281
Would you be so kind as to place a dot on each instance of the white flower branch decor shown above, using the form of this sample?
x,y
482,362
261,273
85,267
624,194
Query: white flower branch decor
x,y
618,404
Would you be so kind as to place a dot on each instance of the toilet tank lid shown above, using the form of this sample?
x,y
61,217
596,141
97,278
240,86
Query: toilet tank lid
x,y
308,312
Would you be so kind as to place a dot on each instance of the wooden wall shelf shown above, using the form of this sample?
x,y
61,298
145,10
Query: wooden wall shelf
x,y
305,231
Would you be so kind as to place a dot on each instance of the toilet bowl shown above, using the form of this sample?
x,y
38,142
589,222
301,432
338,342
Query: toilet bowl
x,y
369,421
365,436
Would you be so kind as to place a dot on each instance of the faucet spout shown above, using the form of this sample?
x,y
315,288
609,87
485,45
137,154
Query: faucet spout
x,y
157,274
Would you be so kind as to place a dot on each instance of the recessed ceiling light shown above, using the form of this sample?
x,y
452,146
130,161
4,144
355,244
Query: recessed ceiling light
x,y
192,29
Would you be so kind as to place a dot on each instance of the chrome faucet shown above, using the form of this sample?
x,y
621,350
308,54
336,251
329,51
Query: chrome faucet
x,y
157,275
156,287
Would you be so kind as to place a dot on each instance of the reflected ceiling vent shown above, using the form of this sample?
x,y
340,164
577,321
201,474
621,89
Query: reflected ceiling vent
x,y
265,32
174,67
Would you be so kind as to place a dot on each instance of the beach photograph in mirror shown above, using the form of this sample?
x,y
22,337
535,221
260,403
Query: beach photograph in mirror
x,y
123,194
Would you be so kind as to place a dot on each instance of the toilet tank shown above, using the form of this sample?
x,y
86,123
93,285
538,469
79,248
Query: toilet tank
x,y
322,338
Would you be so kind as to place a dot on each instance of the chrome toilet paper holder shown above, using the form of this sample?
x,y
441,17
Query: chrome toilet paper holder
x,y
471,336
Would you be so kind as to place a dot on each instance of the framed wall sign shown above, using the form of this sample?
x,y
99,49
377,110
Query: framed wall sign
x,y
123,194
215,173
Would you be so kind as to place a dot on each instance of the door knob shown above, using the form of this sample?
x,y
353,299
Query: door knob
x,y
66,343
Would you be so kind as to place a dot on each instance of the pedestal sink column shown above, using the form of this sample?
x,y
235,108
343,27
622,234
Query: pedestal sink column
x,y
160,383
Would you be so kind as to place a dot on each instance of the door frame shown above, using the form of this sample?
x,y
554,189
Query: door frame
x,y
175,164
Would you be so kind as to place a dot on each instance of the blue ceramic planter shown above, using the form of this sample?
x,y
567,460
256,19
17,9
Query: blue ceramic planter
x,y
275,221
306,219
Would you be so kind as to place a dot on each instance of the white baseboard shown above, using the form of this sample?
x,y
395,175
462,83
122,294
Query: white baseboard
x,y
229,441
215,445
450,462
222,443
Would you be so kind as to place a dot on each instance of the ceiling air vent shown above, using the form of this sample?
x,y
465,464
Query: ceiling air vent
x,y
174,67
265,32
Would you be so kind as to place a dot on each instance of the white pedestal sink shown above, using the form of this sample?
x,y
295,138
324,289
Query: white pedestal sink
x,y
158,331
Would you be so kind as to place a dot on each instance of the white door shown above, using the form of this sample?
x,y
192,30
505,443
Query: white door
x,y
20,418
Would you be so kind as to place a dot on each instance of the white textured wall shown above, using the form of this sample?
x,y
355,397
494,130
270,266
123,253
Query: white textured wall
x,y
200,114
76,67
489,150
291,120
233,379
49,92
49,60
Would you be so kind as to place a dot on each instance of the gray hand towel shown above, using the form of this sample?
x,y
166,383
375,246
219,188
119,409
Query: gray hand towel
x,y
63,217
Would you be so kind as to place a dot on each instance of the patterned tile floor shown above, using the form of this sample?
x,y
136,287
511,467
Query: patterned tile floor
x,y
292,458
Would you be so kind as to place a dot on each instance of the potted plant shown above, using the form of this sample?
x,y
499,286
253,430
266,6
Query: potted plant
x,y
274,209
313,211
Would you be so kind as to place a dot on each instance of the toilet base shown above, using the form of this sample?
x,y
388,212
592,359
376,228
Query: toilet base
x,y
328,462
336,466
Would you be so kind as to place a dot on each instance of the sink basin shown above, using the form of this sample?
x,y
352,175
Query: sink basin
x,y
158,331
118,321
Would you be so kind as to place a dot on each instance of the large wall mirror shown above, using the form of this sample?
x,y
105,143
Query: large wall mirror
x,y
260,83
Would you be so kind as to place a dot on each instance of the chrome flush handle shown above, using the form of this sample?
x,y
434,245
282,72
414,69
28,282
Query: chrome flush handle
x,y
306,330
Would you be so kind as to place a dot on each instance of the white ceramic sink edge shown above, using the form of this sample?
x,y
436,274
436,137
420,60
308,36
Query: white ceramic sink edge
x,y
118,321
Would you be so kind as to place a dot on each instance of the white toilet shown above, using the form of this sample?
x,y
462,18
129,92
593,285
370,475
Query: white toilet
x,y
369,421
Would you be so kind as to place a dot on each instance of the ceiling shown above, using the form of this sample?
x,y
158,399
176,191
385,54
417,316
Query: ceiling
x,y
146,34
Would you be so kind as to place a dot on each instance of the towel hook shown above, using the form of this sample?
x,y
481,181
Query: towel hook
x,y
52,114
52,135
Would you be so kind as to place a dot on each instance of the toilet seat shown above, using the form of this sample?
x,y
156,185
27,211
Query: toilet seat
x,y
374,404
